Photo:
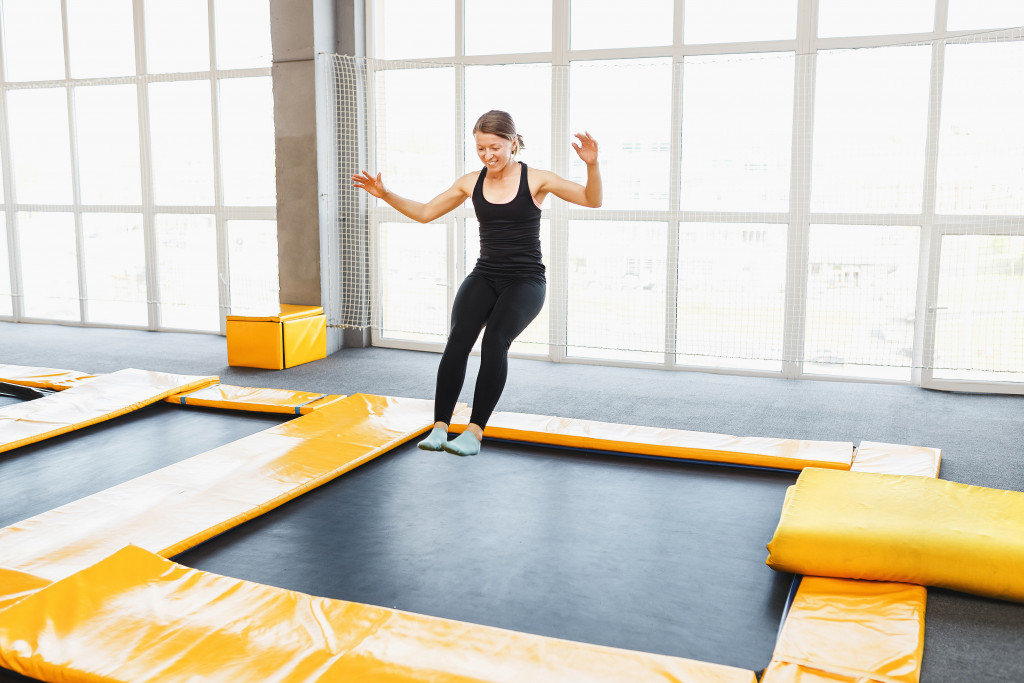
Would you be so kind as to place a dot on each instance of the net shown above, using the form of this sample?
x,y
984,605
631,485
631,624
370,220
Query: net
x,y
851,212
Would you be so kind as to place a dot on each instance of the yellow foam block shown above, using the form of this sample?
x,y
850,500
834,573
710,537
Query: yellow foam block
x,y
137,618
846,631
888,458
255,344
41,378
911,529
88,403
254,399
278,339
179,506
790,454
305,340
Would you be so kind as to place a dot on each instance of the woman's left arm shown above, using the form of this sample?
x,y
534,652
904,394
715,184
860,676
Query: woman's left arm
x,y
590,195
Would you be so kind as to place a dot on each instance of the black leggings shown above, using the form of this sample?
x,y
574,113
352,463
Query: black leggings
x,y
506,307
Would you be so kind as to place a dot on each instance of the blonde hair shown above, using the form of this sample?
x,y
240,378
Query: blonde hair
x,y
500,123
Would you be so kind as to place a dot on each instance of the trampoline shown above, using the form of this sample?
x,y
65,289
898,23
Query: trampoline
x,y
649,554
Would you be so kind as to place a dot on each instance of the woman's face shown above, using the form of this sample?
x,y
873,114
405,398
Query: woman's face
x,y
494,150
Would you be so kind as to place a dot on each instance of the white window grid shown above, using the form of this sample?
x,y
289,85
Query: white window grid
x,y
148,209
806,45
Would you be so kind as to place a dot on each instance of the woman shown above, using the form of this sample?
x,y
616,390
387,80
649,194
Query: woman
x,y
506,289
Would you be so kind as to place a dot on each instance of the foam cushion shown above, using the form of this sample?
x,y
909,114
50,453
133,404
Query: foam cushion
x,y
910,529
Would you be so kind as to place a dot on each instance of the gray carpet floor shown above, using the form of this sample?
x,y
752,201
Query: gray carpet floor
x,y
968,638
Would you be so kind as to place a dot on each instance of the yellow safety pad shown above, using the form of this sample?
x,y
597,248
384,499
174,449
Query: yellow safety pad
x,y
15,585
175,508
41,378
254,399
255,344
841,630
137,618
305,340
286,312
87,403
888,458
882,527
791,454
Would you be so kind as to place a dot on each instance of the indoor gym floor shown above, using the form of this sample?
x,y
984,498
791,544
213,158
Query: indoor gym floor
x,y
968,638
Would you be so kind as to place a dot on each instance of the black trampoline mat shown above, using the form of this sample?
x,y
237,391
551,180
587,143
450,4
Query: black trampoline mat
x,y
650,555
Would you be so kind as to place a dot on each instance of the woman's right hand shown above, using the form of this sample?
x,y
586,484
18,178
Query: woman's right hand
x,y
373,185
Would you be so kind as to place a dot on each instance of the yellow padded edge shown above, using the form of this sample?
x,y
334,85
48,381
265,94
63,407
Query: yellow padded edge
x,y
137,618
254,399
41,378
883,527
889,458
179,506
286,312
789,454
846,631
101,398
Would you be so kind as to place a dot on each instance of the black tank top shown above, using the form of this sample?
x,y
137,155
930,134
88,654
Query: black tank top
x,y
509,233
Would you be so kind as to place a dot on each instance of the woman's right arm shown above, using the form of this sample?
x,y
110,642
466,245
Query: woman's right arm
x,y
447,201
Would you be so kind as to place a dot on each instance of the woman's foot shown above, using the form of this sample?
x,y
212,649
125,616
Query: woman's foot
x,y
464,444
436,440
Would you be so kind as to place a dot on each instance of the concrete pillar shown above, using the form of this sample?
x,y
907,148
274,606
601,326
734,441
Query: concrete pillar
x,y
300,29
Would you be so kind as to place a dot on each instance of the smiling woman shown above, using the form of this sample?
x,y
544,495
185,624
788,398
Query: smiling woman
x,y
506,289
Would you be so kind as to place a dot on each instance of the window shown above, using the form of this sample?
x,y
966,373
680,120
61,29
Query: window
x,y
870,122
141,178
780,178
737,133
868,17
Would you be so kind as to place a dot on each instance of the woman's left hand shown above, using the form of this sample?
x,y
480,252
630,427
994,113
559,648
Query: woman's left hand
x,y
586,149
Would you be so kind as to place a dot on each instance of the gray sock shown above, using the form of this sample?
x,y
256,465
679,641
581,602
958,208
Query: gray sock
x,y
436,440
464,444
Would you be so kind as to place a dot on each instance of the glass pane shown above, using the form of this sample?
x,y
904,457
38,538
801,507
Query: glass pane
x,y
524,91
186,261
243,33
177,36
414,282
115,268
616,281
107,118
405,29
252,255
861,298
6,303
737,133
101,38
248,175
981,140
49,267
874,17
33,40
181,137
966,15
416,140
40,145
732,295
632,128
734,21
495,27
599,24
870,125
534,339
980,318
